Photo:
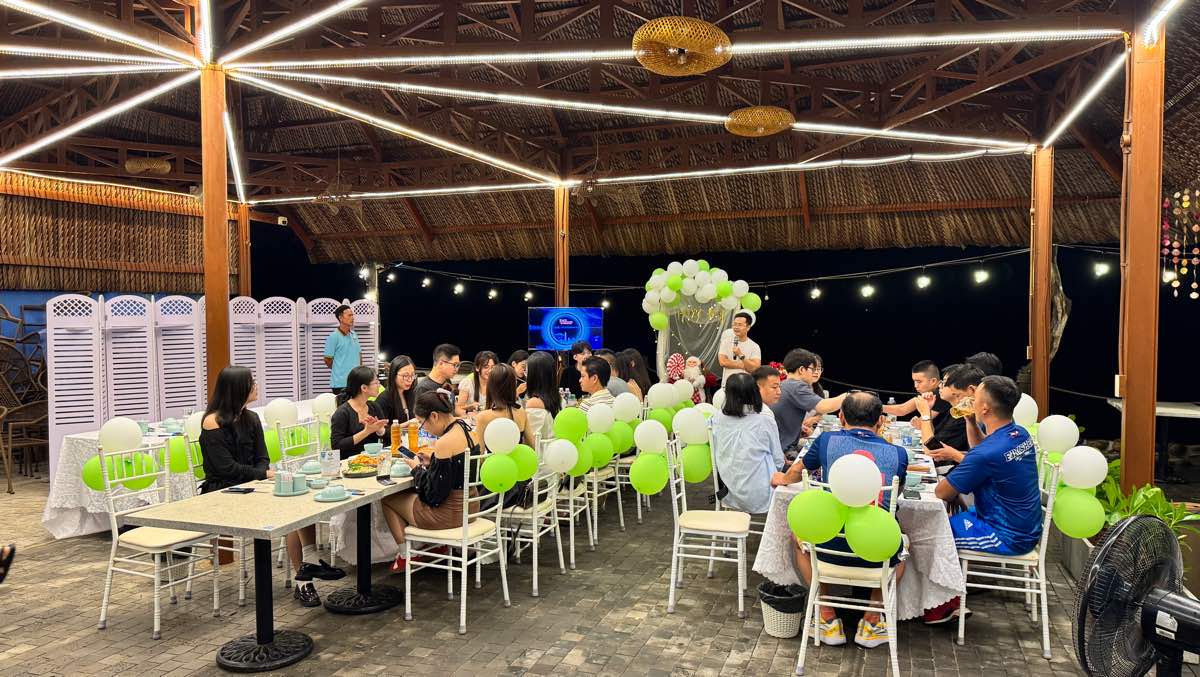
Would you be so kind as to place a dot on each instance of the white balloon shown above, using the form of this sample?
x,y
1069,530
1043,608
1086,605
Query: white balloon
x,y
1083,467
650,437
626,407
719,399
690,267
730,303
120,434
1025,413
706,409
661,395
702,277
718,276
658,281
675,268
709,290
689,287
854,480
683,390
600,418
667,295
194,422
501,436
740,288
282,411
690,426
649,307
701,298
1057,433
324,405
560,456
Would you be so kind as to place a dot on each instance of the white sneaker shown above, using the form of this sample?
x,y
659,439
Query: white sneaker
x,y
871,635
832,633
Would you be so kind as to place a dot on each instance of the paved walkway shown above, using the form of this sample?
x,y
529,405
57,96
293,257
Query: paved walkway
x,y
607,617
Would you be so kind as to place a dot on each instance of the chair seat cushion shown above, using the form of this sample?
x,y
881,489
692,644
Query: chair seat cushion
x,y
627,460
1030,557
545,507
156,538
837,571
725,521
477,529
601,474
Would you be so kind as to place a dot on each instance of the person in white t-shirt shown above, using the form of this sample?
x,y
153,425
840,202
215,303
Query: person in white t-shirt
x,y
737,353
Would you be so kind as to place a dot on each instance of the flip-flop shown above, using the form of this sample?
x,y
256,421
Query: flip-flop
x,y
7,561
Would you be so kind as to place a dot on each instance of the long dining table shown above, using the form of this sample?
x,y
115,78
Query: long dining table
x,y
263,517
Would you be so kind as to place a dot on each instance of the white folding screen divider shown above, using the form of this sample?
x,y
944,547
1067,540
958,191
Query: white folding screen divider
x,y
279,349
245,348
319,323
130,370
75,378
203,342
366,325
178,329
302,368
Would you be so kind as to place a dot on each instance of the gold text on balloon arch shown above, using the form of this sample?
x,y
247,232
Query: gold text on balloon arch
x,y
696,315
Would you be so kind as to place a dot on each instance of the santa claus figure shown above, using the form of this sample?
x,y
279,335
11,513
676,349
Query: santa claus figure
x,y
693,371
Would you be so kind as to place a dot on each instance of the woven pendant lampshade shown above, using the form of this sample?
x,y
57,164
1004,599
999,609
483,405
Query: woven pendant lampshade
x,y
759,121
681,45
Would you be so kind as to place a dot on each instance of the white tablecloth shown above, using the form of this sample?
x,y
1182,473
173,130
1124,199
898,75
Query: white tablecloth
x,y
72,509
932,575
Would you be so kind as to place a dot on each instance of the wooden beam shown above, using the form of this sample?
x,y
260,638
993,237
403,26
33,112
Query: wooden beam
x,y
562,246
1141,211
216,224
805,211
1108,160
243,222
593,217
1041,252
419,219
297,226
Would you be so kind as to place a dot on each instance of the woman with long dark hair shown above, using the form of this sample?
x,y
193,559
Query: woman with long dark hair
x,y
542,381
396,402
235,451
745,443
631,368
357,420
473,389
502,403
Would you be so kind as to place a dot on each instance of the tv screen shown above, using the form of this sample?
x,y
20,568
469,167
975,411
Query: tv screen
x,y
558,328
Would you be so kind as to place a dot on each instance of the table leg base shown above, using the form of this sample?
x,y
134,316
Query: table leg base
x,y
245,654
351,601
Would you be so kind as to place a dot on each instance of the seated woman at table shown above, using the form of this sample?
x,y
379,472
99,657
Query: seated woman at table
x,y
631,367
473,390
356,421
502,403
396,402
235,451
542,389
745,443
436,501
861,416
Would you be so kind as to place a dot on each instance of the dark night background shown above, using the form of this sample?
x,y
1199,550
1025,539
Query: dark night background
x,y
866,342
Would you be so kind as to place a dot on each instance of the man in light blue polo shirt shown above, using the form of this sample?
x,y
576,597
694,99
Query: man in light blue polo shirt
x,y
342,352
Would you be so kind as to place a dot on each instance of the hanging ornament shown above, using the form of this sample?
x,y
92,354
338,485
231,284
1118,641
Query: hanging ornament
x,y
681,45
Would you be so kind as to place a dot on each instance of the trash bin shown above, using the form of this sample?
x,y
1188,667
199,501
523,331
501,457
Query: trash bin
x,y
782,608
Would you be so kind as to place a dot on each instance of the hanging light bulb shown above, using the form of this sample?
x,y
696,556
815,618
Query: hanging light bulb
x,y
766,296
867,291
528,295
1101,269
1170,276
426,282
383,357
492,294
981,275
391,277
924,281
605,304
458,288
363,272
814,293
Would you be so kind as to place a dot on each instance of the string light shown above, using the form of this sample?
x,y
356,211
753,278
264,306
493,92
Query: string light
x,y
1169,276
982,37
383,357
77,71
867,290
234,160
104,31
1150,30
96,118
1101,269
396,128
412,192
814,293
1092,92
981,275
81,54
492,294
528,295
363,272
391,277
426,282
458,288
290,29
766,297
605,304
923,281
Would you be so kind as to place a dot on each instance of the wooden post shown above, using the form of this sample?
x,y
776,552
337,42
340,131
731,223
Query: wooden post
x,y
216,220
1041,253
1141,206
243,249
562,246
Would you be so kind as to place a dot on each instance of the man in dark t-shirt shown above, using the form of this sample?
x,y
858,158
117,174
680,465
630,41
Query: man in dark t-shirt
x,y
946,436
925,378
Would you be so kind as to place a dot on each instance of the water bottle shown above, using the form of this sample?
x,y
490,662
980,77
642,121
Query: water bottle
x,y
891,418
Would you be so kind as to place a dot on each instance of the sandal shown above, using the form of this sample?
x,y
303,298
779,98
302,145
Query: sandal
x,y
10,551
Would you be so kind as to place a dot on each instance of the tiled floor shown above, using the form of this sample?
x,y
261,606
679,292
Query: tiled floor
x,y
606,617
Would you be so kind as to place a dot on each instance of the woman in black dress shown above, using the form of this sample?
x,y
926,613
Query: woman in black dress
x,y
397,400
357,421
235,451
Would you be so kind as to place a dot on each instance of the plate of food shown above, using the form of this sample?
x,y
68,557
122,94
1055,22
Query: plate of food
x,y
362,465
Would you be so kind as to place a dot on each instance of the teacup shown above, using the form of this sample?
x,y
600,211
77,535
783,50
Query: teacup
x,y
372,448
318,483
401,469
912,480
334,491
311,467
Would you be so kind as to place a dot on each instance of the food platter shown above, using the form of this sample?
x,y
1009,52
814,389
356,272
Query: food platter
x,y
362,465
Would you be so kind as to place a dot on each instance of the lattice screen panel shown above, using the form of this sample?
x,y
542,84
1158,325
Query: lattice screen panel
x,y
366,325
75,377
245,349
179,323
130,369
280,354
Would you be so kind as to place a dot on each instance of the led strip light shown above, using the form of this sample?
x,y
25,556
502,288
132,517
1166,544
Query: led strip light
x,y
1092,92
234,161
1150,30
396,128
81,54
446,60
205,34
96,118
933,137
74,71
291,29
88,26
423,192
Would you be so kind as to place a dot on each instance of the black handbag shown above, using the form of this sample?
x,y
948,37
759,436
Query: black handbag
x,y
435,482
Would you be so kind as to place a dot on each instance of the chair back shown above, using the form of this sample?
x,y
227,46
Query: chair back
x,y
676,486
473,506
134,478
1048,511
538,426
298,444
891,490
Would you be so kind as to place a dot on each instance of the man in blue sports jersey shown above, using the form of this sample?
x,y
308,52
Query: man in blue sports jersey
x,y
1001,473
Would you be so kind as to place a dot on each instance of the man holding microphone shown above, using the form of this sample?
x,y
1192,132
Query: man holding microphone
x,y
737,353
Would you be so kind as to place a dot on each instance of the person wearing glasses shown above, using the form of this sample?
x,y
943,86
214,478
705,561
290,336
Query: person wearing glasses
x,y
398,398
797,399
446,358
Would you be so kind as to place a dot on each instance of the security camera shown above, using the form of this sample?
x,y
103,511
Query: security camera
x,y
283,220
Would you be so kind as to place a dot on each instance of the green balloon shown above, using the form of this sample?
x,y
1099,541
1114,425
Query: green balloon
x,y
272,439
621,436
872,533
675,282
118,469
686,404
1054,457
92,477
658,321
498,473
583,463
702,264
599,448
176,454
752,302
697,463
724,289
526,459
570,424
198,461
658,271
326,436
297,442
816,516
648,474
1077,513
635,423
663,416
